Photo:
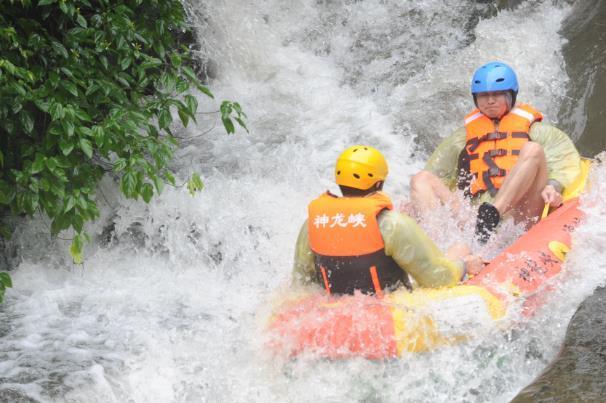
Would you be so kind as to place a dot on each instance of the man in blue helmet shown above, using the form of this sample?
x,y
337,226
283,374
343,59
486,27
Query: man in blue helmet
x,y
504,158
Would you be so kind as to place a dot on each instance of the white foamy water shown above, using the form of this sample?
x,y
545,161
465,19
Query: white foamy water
x,y
172,299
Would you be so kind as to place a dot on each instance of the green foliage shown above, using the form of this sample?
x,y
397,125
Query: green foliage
x,y
87,87
5,282
195,184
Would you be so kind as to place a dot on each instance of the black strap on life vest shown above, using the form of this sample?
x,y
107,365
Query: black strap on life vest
x,y
370,274
493,169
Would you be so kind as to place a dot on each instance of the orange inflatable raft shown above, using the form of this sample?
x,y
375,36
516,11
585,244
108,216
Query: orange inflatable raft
x,y
421,320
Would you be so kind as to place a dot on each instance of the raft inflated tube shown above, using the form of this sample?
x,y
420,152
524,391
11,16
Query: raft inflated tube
x,y
407,322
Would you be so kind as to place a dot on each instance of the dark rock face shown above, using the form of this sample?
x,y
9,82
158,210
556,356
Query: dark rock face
x,y
579,373
583,115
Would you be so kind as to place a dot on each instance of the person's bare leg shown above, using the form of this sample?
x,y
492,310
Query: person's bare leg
x,y
521,190
428,192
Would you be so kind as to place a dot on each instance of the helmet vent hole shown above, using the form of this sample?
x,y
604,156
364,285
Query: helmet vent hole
x,y
355,150
338,172
365,148
371,175
478,82
500,80
356,176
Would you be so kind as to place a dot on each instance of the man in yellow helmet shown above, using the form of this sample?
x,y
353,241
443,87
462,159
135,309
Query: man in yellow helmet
x,y
357,242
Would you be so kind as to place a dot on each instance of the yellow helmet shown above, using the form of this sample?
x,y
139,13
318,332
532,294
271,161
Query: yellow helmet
x,y
360,167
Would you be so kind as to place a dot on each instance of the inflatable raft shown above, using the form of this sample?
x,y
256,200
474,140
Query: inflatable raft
x,y
421,320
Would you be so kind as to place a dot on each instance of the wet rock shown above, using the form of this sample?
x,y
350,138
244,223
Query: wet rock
x,y
14,395
579,372
582,114
136,234
108,234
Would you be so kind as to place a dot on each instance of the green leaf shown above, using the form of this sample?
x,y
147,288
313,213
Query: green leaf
x,y
176,59
45,2
66,146
86,147
151,62
164,118
38,164
69,203
5,232
189,73
184,116
68,126
58,224
158,184
181,86
59,49
192,104
56,111
67,72
82,115
70,87
128,184
147,192
81,21
27,121
169,177
119,165
6,279
242,124
124,63
99,135
229,125
76,250
7,193
195,184
206,91
77,222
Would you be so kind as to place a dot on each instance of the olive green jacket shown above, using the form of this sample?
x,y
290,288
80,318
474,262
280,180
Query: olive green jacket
x,y
405,242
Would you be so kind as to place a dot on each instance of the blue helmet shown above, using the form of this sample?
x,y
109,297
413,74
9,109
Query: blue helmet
x,y
494,76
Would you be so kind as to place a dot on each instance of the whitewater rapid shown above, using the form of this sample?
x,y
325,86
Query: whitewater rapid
x,y
171,302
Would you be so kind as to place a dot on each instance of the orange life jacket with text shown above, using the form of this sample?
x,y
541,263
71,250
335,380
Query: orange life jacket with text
x,y
492,148
349,252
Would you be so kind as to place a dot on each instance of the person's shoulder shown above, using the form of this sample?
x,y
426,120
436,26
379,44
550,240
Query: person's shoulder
x,y
543,128
394,218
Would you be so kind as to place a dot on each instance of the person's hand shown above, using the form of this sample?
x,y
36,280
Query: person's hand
x,y
551,196
474,264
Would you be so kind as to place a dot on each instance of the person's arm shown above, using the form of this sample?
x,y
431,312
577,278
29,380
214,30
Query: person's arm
x,y
444,161
563,159
303,269
416,254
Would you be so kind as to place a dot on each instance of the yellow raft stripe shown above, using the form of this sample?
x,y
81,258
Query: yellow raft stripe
x,y
414,327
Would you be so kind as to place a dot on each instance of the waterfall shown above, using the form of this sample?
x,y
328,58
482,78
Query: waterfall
x,y
171,302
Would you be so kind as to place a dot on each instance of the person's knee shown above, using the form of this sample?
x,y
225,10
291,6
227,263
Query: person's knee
x,y
421,179
532,151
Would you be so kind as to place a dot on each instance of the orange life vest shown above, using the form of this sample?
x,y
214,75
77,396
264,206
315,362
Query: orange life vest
x,y
492,149
349,251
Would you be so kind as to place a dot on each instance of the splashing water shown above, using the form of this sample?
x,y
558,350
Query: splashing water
x,y
172,300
